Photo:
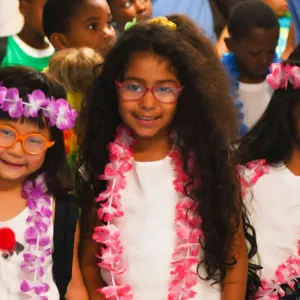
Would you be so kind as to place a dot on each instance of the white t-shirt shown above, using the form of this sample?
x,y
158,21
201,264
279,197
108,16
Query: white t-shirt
x,y
11,275
274,211
255,98
148,232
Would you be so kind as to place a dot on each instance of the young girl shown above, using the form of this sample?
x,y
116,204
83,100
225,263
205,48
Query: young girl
x,y
159,124
125,11
271,178
38,242
79,23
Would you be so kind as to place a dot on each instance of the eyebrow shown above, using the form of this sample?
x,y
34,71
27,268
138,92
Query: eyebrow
x,y
169,80
92,19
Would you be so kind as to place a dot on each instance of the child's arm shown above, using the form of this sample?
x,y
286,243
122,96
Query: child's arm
x,y
90,270
236,279
76,289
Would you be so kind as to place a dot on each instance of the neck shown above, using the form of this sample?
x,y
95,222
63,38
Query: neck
x,y
151,149
252,80
294,163
33,39
7,186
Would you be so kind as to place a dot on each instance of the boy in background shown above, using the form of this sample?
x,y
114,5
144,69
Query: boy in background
x,y
28,48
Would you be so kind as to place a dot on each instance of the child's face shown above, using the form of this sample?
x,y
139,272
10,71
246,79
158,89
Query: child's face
x,y
279,6
15,163
256,52
124,11
91,27
148,117
32,10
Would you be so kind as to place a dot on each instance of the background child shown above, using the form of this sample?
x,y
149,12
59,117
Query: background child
x,y
34,182
159,81
78,23
76,69
126,11
29,47
253,30
271,156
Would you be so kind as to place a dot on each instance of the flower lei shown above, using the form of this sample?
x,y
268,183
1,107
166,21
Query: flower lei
x,y
186,253
288,271
37,237
229,62
59,112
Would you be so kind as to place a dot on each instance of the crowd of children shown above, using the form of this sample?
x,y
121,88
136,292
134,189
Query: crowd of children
x,y
135,164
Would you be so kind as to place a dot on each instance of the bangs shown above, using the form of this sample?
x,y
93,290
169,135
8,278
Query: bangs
x,y
40,121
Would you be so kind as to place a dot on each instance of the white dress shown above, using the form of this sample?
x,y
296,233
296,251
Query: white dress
x,y
11,275
274,210
148,232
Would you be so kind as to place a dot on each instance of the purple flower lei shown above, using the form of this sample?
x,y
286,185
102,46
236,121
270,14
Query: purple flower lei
x,y
59,112
37,237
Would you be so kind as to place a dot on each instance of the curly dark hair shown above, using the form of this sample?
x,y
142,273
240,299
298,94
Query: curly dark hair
x,y
26,80
205,122
276,134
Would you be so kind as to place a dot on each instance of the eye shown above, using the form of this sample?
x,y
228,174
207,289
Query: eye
x,y
109,23
134,87
92,26
127,4
254,54
165,89
6,132
35,140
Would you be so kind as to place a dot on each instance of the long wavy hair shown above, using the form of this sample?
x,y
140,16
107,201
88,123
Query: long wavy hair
x,y
276,134
205,123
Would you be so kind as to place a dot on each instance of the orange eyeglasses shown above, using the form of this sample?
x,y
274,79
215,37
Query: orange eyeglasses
x,y
33,143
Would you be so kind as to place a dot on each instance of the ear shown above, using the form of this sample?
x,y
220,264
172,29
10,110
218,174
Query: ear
x,y
229,42
59,41
23,6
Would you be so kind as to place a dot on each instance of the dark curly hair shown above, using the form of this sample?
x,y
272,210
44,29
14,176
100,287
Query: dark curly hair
x,y
276,134
205,122
26,80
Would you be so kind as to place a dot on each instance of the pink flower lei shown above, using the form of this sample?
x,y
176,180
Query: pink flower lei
x,y
289,270
37,237
186,253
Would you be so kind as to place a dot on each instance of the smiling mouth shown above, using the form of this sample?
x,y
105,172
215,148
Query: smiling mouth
x,y
144,118
11,164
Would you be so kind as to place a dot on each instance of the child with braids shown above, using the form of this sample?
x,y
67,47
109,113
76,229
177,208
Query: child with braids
x,y
270,156
156,153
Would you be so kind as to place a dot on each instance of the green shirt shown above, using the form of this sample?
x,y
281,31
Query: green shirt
x,y
19,53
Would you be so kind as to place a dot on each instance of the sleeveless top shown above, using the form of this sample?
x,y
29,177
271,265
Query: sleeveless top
x,y
148,232
273,203
58,267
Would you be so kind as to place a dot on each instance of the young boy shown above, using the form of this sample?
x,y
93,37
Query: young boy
x,y
253,34
79,23
125,11
29,47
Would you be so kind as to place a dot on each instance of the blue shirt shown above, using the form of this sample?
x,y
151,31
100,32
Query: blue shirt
x,y
294,7
198,10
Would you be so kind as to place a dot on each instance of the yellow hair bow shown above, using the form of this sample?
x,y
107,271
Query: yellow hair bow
x,y
163,21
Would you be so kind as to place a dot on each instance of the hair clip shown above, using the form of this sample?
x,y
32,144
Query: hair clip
x,y
163,21
282,74
59,112
128,25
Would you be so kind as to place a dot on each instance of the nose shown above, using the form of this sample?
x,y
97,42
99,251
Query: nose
x,y
266,59
109,33
140,6
16,150
148,102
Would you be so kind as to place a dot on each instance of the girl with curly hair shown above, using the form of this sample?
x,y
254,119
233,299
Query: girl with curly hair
x,y
167,221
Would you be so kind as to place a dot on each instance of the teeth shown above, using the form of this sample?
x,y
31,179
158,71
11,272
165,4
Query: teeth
x,y
147,118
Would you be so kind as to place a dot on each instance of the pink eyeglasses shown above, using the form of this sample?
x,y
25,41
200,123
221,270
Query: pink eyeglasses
x,y
133,91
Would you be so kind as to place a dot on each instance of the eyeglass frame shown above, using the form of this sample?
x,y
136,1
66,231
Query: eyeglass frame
x,y
22,138
147,90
